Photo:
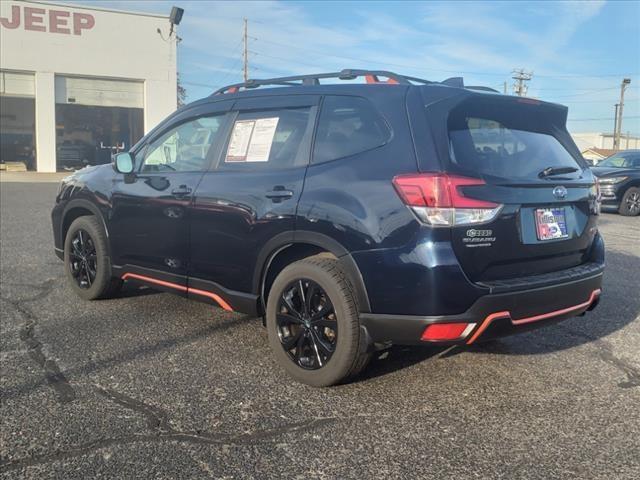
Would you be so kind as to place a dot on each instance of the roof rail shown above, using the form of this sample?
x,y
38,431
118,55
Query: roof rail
x,y
371,76
482,89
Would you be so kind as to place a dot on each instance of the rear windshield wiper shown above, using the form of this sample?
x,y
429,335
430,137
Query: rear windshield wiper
x,y
550,171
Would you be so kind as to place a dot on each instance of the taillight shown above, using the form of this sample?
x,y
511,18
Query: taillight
x,y
437,199
597,204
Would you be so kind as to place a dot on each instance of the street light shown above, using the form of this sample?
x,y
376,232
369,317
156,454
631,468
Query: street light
x,y
175,17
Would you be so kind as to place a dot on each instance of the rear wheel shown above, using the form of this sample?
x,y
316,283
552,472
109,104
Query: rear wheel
x,y
87,263
630,204
313,323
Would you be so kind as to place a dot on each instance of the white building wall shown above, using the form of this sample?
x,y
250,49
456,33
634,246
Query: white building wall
x,y
58,39
45,127
605,140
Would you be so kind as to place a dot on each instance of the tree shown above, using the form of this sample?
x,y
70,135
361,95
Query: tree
x,y
181,93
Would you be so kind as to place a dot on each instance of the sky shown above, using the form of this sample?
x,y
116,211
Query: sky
x,y
578,51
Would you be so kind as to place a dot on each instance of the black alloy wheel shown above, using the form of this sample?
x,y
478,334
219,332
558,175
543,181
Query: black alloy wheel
x,y
306,324
83,259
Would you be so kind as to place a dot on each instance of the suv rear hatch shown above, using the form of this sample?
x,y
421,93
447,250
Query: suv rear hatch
x,y
529,167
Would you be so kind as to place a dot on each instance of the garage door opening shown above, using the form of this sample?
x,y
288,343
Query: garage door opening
x,y
17,132
89,135
96,118
17,121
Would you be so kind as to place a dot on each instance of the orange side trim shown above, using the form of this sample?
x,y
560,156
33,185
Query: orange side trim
x,y
217,298
522,321
135,276
485,324
182,288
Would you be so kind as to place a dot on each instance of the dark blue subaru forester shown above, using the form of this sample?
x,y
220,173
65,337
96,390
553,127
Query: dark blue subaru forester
x,y
350,216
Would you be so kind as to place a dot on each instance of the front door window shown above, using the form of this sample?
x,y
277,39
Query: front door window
x,y
183,149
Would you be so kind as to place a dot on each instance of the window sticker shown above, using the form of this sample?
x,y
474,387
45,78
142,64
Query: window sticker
x,y
262,139
239,143
251,140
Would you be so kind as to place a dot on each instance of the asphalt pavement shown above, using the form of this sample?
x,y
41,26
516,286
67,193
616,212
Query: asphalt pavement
x,y
151,385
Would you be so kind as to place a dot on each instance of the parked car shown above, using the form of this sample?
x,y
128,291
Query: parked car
x,y
619,179
349,216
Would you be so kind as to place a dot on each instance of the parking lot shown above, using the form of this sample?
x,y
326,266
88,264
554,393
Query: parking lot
x,y
151,385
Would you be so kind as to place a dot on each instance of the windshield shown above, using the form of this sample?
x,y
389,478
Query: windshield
x,y
619,161
489,147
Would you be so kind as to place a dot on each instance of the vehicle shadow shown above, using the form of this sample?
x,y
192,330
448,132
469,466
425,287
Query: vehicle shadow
x,y
397,358
132,290
619,306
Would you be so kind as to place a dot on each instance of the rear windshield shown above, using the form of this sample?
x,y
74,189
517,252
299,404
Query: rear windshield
x,y
506,142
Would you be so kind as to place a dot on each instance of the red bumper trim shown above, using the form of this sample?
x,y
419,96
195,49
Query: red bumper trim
x,y
522,321
182,288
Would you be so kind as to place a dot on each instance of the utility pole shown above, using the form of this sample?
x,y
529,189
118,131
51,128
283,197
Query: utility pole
x,y
520,77
615,127
505,87
623,87
245,54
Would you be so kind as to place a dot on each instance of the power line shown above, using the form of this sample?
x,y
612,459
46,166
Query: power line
x,y
196,84
589,101
587,75
365,60
287,59
422,68
598,90
598,119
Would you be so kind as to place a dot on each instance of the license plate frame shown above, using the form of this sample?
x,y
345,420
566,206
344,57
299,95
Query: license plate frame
x,y
551,223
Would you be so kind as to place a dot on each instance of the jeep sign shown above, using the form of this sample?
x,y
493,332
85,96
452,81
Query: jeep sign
x,y
47,20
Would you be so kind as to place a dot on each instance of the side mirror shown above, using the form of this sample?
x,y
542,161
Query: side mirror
x,y
123,163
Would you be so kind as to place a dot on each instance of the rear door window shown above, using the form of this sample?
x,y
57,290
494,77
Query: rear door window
x,y
269,139
500,144
347,126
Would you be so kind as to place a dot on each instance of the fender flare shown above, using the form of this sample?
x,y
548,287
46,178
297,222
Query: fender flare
x,y
87,205
284,240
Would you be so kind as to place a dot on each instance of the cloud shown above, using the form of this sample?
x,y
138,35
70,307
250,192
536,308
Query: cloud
x,y
483,41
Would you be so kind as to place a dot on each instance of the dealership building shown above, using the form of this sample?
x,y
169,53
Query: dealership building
x,y
79,83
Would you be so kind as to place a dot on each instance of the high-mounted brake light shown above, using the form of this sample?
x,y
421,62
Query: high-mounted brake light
x,y
438,199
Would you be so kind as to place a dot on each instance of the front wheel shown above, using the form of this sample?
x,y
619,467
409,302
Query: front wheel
x,y
630,204
86,260
313,323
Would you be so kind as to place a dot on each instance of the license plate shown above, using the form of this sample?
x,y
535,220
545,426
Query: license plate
x,y
551,223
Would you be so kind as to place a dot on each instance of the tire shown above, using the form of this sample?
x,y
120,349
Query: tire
x,y
350,350
87,230
630,204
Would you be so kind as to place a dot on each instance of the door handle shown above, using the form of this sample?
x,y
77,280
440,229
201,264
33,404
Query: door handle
x,y
279,193
181,191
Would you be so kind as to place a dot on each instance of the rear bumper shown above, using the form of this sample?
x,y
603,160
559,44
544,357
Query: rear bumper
x,y
493,315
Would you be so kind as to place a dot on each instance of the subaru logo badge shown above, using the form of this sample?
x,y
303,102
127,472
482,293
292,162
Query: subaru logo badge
x,y
560,192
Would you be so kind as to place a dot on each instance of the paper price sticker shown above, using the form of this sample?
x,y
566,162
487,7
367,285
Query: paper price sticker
x,y
239,143
251,140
